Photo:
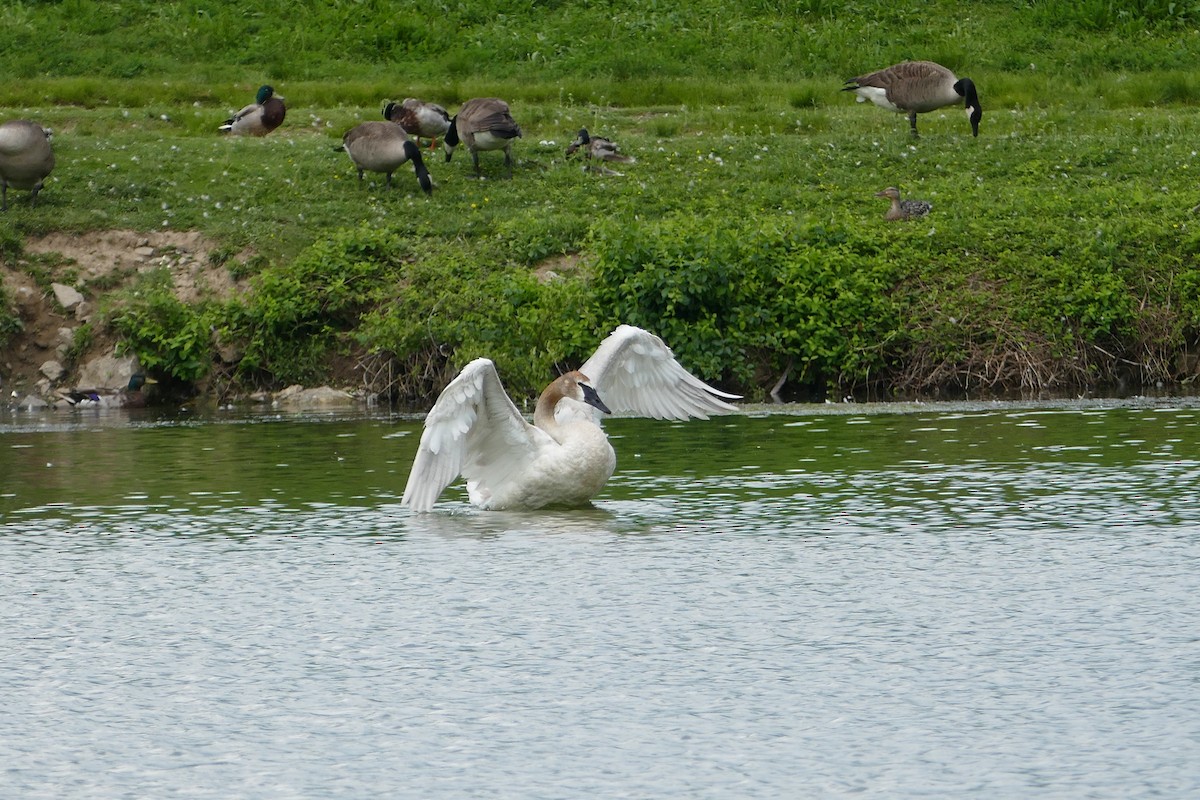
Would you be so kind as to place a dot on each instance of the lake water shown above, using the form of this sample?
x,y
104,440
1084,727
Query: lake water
x,y
941,601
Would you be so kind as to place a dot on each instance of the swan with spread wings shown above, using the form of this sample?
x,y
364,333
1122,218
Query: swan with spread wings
x,y
564,458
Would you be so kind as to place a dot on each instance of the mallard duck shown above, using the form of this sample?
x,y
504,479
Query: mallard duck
x,y
259,118
483,123
564,457
131,396
26,158
915,87
597,147
903,209
421,120
383,147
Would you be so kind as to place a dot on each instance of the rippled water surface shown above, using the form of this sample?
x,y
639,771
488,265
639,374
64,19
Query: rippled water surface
x,y
900,601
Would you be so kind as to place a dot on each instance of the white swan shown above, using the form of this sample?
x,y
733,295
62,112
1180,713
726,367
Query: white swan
x,y
563,458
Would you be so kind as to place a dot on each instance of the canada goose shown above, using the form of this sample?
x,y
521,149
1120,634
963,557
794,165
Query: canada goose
x,y
129,397
383,147
903,209
422,120
597,147
564,457
483,123
259,118
25,158
915,87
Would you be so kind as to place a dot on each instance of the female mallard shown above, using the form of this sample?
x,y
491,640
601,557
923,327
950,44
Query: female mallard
x,y
421,120
483,123
915,87
383,147
259,118
25,158
903,209
597,147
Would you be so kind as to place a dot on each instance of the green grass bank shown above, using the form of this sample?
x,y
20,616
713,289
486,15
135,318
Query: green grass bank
x,y
1061,254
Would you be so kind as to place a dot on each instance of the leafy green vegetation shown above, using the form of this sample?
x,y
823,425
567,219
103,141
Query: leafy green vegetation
x,y
1061,252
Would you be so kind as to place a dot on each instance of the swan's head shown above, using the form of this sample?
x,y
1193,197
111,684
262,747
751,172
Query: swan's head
x,y
570,397
576,386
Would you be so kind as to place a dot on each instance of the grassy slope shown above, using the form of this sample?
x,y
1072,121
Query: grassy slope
x,y
1060,248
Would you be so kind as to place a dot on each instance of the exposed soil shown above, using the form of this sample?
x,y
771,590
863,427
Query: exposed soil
x,y
108,259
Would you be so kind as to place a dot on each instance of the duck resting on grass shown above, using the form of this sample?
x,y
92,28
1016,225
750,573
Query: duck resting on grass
x,y
564,458
597,148
915,87
259,118
903,209
129,397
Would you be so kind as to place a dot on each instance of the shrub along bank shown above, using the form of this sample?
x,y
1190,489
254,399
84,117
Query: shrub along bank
x,y
1060,254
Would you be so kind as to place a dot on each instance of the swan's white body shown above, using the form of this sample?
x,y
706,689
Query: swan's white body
x,y
563,458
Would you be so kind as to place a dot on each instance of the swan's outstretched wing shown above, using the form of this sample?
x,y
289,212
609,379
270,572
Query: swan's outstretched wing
x,y
635,372
473,430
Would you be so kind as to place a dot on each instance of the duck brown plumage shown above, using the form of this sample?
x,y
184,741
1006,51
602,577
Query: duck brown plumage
x,y
903,209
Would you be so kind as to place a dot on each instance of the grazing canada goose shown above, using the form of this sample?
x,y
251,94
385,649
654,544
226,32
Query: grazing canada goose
x,y
383,147
129,397
903,209
483,123
597,147
25,158
915,87
422,120
259,118
564,457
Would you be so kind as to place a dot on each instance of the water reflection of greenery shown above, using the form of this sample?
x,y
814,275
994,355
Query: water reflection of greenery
x,y
366,461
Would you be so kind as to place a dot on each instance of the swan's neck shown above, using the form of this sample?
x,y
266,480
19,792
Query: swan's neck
x,y
543,413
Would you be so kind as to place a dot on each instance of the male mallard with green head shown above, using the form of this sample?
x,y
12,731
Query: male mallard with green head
x,y
259,118
131,396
